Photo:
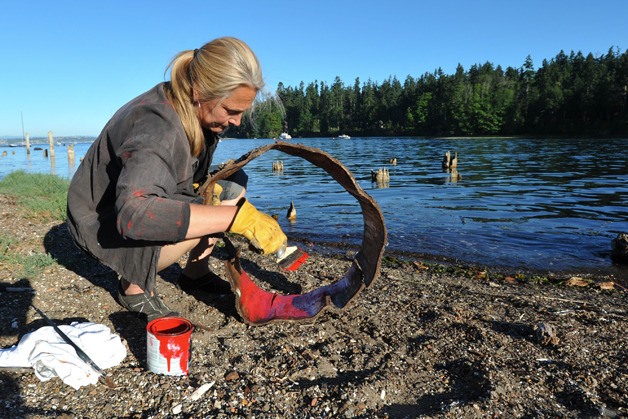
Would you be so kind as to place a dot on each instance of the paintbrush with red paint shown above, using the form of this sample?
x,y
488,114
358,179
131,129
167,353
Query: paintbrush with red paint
x,y
290,258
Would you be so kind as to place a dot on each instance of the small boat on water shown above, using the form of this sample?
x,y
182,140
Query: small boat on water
x,y
285,136
344,137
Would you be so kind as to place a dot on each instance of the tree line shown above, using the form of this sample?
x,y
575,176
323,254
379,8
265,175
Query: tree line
x,y
568,95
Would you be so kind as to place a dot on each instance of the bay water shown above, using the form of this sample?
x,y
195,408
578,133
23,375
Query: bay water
x,y
549,205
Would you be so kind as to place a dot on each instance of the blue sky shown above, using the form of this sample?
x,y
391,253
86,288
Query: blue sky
x,y
67,66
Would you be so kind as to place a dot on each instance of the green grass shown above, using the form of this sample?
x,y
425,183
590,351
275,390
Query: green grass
x,y
32,264
41,196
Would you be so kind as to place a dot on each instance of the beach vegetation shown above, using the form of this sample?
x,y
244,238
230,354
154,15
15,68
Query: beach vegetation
x,y
25,265
40,196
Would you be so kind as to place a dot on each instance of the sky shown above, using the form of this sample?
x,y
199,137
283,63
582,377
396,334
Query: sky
x,y
67,66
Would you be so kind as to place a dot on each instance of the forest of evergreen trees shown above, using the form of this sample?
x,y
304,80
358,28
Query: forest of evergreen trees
x,y
569,95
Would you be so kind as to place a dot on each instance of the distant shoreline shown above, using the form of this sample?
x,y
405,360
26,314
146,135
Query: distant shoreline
x,y
19,141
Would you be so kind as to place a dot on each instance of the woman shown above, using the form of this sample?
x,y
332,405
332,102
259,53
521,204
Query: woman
x,y
131,203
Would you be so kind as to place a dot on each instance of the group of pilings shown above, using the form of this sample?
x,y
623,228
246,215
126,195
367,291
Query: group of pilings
x,y
50,151
381,176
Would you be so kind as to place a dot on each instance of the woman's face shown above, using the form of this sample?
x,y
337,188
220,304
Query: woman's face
x,y
216,115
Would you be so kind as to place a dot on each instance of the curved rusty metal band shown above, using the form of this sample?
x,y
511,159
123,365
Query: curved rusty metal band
x,y
367,262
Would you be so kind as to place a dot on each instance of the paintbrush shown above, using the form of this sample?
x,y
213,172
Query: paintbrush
x,y
290,257
81,354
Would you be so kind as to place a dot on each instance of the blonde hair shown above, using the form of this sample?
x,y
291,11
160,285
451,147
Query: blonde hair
x,y
213,71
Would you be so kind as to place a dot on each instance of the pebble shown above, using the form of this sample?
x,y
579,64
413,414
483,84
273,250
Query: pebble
x,y
232,376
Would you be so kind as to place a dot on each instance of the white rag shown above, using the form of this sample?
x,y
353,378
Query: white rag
x,y
50,356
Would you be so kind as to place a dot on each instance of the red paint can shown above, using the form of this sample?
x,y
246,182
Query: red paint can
x,y
168,345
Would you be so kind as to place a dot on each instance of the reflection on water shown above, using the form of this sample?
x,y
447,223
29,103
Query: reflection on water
x,y
553,205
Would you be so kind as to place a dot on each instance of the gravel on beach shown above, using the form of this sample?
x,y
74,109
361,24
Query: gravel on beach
x,y
420,342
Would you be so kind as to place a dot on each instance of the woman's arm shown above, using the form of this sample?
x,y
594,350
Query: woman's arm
x,y
208,219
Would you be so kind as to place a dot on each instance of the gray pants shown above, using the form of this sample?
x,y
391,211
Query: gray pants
x,y
232,186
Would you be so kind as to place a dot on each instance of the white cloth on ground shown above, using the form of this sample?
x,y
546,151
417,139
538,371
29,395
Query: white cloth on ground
x,y
51,356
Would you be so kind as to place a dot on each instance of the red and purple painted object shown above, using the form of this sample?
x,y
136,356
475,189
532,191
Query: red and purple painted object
x,y
257,306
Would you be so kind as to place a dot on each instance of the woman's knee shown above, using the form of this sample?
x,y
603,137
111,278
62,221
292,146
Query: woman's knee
x,y
234,201
234,187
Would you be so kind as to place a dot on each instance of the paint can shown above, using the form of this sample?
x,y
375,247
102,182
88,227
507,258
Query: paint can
x,y
168,345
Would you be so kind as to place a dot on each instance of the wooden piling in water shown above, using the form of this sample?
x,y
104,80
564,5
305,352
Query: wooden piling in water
x,y
51,144
71,154
278,166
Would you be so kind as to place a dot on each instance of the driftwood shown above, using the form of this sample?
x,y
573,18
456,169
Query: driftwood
x,y
257,306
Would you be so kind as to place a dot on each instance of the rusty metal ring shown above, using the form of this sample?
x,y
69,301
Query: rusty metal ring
x,y
367,261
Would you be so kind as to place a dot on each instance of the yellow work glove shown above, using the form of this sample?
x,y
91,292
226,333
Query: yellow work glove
x,y
260,229
216,194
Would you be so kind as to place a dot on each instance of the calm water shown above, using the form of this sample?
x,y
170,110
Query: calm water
x,y
549,205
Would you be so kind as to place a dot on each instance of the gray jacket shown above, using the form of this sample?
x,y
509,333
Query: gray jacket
x,y
130,195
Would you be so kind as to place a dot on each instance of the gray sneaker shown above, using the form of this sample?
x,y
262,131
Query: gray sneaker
x,y
145,305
